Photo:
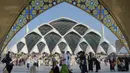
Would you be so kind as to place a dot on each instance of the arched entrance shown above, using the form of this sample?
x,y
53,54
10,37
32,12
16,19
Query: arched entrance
x,y
93,7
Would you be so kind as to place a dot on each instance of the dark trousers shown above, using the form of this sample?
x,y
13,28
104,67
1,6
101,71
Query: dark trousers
x,y
28,65
83,68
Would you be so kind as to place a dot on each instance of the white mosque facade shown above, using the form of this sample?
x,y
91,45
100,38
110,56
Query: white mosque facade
x,y
63,34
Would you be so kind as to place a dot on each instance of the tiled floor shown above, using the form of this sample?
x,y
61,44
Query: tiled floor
x,y
46,69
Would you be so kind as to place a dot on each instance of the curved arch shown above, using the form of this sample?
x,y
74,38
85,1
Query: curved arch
x,y
93,7
52,39
93,39
81,29
72,39
31,39
62,25
44,29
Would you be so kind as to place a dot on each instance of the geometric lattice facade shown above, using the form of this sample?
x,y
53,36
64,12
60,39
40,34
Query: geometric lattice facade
x,y
63,34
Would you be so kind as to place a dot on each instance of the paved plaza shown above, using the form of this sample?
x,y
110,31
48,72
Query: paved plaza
x,y
46,69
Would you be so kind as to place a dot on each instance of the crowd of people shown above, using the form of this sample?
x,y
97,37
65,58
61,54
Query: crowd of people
x,y
61,63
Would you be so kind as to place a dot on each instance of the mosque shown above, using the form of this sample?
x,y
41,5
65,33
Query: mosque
x,y
63,34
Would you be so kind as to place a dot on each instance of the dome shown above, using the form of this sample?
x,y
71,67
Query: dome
x,y
62,34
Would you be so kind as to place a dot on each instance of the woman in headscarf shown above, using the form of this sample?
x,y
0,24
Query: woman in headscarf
x,y
9,63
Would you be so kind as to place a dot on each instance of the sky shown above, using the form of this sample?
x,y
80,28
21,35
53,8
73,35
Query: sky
x,y
69,11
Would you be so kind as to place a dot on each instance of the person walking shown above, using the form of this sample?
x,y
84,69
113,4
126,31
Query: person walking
x,y
97,63
68,59
9,63
28,62
64,68
83,63
112,63
126,63
90,62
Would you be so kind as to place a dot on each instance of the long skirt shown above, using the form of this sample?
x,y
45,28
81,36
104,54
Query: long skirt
x,y
64,69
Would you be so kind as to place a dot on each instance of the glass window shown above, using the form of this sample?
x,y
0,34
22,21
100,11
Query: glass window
x,y
62,46
81,29
63,25
44,29
83,46
31,40
105,46
40,46
93,40
52,39
72,40
20,45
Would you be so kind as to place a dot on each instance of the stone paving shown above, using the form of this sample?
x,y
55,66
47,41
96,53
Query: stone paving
x,y
46,69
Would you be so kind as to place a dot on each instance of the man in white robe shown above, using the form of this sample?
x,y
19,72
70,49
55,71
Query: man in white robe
x,y
67,59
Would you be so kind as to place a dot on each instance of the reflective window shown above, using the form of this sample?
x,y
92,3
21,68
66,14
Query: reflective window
x,y
63,25
72,40
104,46
93,39
31,40
44,29
40,46
62,46
83,46
52,39
81,29
20,45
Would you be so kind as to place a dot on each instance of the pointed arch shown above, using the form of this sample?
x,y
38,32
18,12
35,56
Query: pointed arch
x,y
95,8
